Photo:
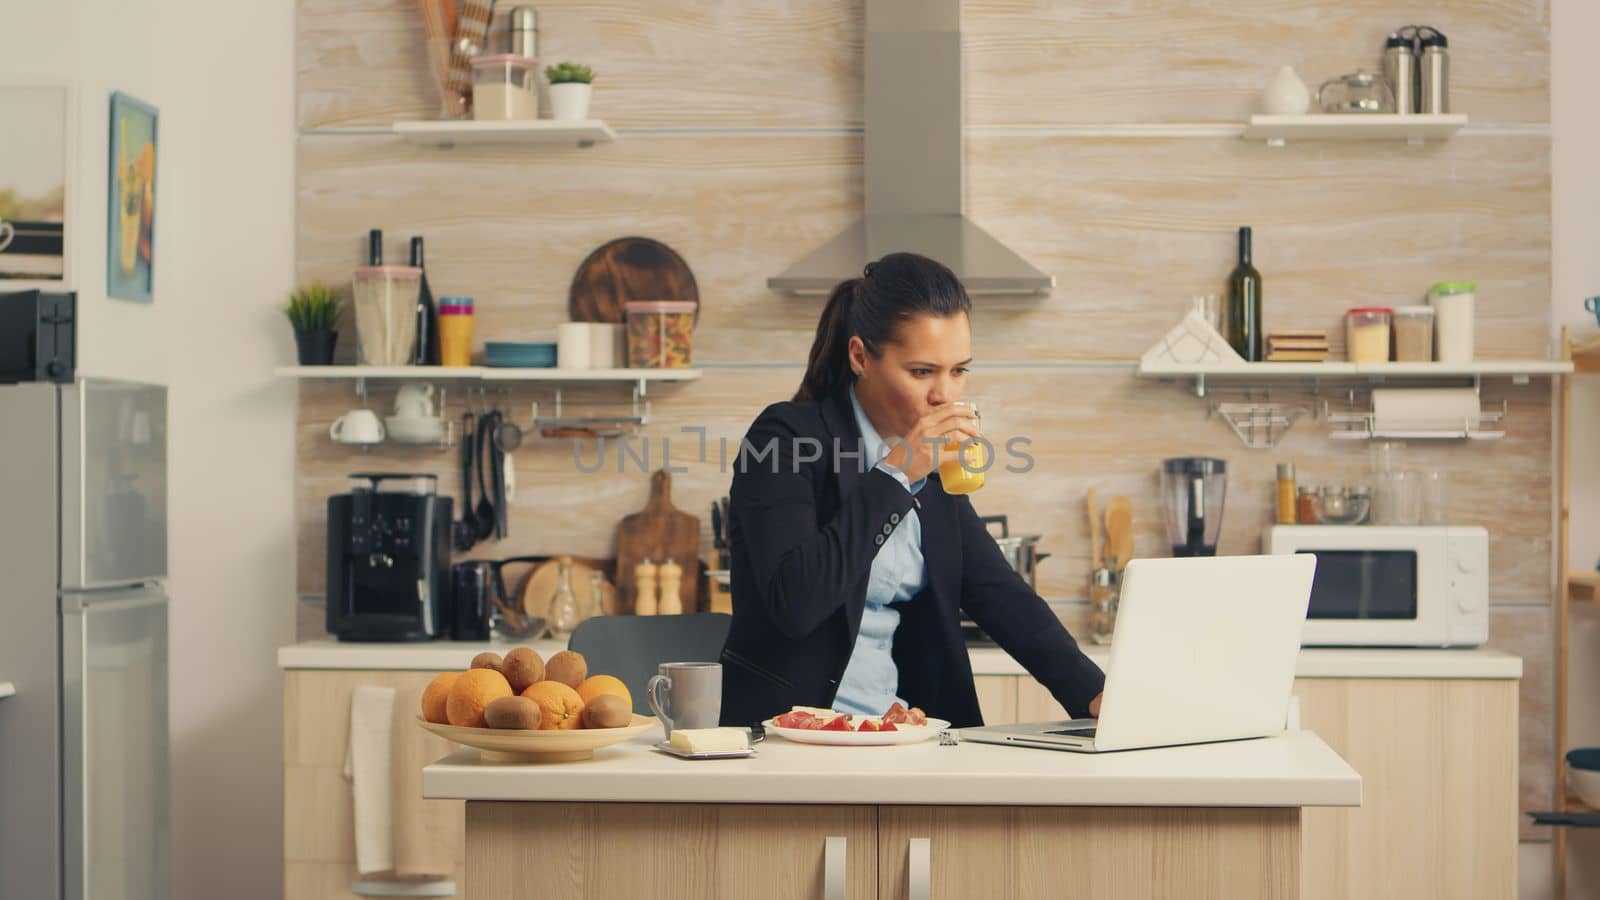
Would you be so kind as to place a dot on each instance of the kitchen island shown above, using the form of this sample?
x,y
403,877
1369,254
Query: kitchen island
x,y
1214,820
1433,734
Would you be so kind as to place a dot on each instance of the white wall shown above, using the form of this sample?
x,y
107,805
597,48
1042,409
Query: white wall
x,y
223,81
1575,231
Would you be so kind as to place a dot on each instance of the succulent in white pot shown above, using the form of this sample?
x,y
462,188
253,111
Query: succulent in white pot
x,y
570,84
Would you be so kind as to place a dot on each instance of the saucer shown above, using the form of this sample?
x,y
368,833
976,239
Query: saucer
x,y
414,429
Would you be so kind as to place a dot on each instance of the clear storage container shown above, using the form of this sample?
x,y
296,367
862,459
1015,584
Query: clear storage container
x,y
505,86
1413,334
386,314
1366,334
660,333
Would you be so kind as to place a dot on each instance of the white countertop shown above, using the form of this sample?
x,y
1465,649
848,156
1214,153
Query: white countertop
x,y
1315,662
1297,769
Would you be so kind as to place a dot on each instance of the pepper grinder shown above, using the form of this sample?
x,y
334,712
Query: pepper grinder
x,y
644,589
671,575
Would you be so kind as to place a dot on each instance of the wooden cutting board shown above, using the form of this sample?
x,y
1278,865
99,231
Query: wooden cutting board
x,y
630,268
659,532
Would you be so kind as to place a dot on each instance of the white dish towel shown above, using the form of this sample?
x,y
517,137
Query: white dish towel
x,y
367,764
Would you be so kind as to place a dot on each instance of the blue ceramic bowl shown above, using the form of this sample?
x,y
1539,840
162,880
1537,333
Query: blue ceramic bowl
x,y
1585,758
530,355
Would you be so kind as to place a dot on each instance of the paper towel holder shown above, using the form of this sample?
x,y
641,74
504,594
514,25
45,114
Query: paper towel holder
x,y
1361,426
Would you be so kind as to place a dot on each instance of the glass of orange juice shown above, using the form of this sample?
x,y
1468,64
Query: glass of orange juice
x,y
963,472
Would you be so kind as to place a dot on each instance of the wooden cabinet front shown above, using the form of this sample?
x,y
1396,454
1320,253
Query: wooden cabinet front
x,y
555,851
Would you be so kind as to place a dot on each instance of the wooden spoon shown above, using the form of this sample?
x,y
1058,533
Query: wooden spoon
x,y
1119,531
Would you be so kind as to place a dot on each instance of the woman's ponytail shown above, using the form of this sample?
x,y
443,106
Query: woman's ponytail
x,y
828,367
891,290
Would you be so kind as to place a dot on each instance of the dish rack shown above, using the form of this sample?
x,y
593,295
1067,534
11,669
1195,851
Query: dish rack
x,y
595,426
1258,425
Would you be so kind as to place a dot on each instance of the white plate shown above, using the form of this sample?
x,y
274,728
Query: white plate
x,y
670,750
904,734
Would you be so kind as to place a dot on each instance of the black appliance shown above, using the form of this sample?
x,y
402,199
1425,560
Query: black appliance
x,y
389,559
38,337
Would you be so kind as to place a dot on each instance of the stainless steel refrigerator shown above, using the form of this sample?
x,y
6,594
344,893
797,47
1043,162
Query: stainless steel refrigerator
x,y
83,638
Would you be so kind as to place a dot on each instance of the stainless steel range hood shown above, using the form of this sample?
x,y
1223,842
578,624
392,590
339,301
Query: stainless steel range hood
x,y
914,180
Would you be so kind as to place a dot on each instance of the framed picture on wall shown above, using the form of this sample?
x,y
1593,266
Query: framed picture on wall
x,y
34,161
131,219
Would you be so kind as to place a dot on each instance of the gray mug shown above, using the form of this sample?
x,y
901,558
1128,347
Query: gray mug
x,y
686,695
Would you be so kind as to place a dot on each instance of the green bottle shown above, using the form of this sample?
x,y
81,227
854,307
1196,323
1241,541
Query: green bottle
x,y
1245,333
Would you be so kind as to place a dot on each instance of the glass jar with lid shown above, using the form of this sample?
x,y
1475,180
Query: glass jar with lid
x,y
505,86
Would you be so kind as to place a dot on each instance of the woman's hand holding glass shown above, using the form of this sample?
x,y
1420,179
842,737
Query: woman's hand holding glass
x,y
919,452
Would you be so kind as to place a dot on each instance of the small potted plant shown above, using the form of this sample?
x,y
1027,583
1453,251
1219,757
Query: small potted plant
x,y
570,84
313,310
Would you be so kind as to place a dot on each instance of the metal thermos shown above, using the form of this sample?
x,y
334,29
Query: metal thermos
x,y
524,31
1434,72
1400,67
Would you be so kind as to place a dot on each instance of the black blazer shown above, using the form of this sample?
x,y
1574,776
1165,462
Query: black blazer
x,y
803,533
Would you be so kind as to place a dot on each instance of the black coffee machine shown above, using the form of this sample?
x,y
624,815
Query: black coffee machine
x,y
389,559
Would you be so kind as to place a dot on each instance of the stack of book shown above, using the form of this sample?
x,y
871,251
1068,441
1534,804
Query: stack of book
x,y
1297,346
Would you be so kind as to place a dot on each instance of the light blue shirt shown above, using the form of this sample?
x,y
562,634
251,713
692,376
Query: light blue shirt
x,y
898,574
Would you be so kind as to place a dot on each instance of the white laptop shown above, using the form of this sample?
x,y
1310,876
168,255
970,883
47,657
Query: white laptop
x,y
1204,650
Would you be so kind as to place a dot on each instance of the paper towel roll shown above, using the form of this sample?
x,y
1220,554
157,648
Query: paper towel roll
x,y
1424,409
604,339
572,345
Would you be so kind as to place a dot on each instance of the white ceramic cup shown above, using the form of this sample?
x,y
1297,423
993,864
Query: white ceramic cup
x,y
7,233
358,426
414,401
686,695
572,345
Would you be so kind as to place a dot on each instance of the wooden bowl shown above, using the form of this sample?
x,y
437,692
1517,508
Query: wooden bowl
x,y
504,745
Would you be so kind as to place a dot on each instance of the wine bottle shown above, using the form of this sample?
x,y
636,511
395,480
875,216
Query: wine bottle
x,y
426,352
1245,332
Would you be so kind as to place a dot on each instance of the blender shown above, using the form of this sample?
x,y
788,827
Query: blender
x,y
1194,487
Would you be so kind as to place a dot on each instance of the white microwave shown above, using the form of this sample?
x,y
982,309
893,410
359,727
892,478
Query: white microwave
x,y
1392,586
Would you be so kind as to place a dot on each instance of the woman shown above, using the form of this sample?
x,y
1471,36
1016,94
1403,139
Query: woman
x,y
850,569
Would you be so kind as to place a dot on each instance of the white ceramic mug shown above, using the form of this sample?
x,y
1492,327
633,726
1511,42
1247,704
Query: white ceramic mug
x,y
8,231
414,401
358,426
686,695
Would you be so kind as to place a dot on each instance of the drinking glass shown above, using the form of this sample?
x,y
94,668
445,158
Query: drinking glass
x,y
963,473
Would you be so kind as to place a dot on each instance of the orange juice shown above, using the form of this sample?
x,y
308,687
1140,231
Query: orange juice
x,y
964,479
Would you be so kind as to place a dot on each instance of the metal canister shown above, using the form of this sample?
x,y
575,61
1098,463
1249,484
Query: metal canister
x,y
1400,67
523,31
1434,72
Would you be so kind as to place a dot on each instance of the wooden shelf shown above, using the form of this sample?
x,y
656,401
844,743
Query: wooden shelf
x,y
1341,369
482,373
1586,354
583,133
1582,586
1413,129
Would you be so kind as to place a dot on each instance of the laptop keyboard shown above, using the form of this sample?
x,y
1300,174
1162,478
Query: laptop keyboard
x,y
1075,732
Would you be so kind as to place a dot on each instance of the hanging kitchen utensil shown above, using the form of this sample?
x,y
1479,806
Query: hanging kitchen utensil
x,y
485,514
659,532
630,268
465,531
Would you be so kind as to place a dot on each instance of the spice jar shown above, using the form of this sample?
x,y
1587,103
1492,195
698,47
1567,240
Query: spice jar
x,y
660,333
505,86
1305,512
1413,334
1366,334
